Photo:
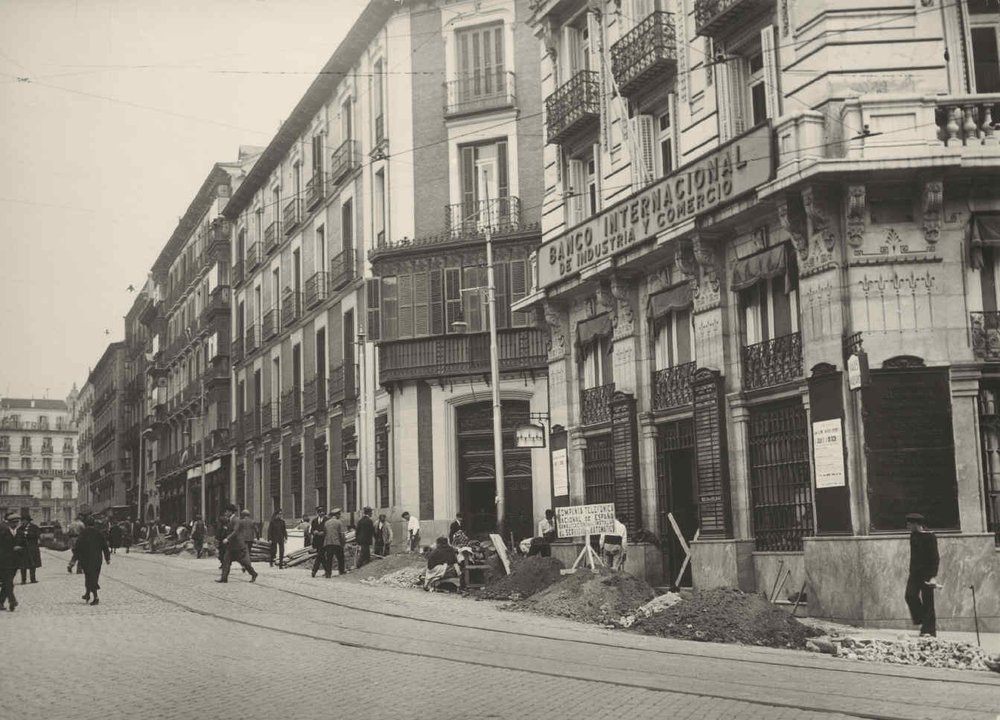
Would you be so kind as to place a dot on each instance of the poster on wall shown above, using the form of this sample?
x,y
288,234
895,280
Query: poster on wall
x,y
560,473
828,453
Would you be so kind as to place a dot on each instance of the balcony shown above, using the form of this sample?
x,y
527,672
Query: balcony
x,y
772,362
457,355
316,289
309,397
291,406
341,384
28,450
479,92
314,190
646,56
237,272
291,308
967,120
266,418
672,387
715,17
291,215
574,109
218,303
272,236
595,404
47,449
497,216
254,255
218,236
985,328
380,138
269,325
236,350
342,269
345,159
253,333
251,424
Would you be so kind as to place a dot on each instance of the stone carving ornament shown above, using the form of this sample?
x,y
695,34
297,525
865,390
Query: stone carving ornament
x,y
856,215
555,319
793,220
814,200
622,319
708,287
932,202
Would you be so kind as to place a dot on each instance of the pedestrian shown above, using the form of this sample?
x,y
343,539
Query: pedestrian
x,y
364,535
198,532
238,543
153,535
277,533
456,526
333,543
383,537
412,532
9,551
317,532
541,544
115,538
27,537
72,533
126,536
922,579
442,563
613,545
90,547
221,530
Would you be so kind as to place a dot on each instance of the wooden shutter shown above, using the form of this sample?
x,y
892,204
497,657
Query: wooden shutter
x,y
374,297
644,133
577,175
436,302
405,289
420,304
724,97
390,308
771,89
518,289
468,186
503,306
473,315
452,298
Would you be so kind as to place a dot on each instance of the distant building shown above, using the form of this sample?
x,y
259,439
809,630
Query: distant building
x,y
38,458
107,476
84,420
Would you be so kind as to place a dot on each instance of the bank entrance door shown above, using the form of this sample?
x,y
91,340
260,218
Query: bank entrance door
x,y
676,494
477,473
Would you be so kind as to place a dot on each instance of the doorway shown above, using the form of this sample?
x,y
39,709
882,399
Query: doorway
x,y
676,495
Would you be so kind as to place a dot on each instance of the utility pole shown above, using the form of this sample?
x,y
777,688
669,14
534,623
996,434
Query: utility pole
x,y
491,293
204,512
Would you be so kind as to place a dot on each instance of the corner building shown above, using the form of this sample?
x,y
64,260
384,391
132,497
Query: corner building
x,y
741,197
360,239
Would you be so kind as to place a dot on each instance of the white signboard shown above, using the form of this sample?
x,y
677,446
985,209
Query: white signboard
x,y
560,474
578,520
530,436
828,451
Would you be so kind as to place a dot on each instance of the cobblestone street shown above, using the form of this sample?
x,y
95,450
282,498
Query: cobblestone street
x,y
166,638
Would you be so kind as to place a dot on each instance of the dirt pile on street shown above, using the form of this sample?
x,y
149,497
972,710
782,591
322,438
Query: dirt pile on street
x,y
527,577
376,570
727,615
925,651
602,597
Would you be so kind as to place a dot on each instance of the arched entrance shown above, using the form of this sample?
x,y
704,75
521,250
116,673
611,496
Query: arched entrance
x,y
477,473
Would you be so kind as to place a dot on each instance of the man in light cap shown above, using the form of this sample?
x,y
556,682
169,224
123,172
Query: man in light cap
x,y
8,560
922,580
333,543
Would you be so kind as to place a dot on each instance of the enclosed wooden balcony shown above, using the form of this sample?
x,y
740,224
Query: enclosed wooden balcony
x,y
574,109
647,56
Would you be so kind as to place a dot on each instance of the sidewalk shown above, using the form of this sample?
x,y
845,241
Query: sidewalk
x,y
990,642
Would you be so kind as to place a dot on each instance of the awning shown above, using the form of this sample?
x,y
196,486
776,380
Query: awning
x,y
986,229
588,330
762,266
210,467
670,300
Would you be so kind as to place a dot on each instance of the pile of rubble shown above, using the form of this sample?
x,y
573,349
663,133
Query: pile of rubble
x,y
924,651
527,577
406,577
601,597
391,570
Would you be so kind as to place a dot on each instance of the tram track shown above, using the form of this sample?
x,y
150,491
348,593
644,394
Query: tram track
x,y
907,710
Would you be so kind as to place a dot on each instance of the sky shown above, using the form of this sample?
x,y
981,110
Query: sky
x,y
112,113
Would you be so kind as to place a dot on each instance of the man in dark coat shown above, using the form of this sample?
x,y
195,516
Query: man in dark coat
x,y
237,543
198,531
221,530
317,534
9,551
922,579
90,547
364,535
115,537
72,533
126,536
277,533
27,537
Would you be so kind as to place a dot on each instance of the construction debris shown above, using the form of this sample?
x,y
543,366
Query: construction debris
x,y
924,651
404,577
527,577
657,604
602,596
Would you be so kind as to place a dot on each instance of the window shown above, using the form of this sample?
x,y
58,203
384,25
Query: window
x,y
68,464
382,459
26,444
752,96
770,310
26,487
317,155
46,514
46,463
373,295
4,463
596,368
378,99
666,144
25,463
480,63
390,308
379,208
580,184
673,339
984,39
320,244
4,487
67,490
275,203
347,234
46,490
347,120
485,187
576,48
4,443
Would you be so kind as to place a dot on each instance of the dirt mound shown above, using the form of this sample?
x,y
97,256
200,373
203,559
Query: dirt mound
x,y
378,569
727,615
527,577
602,597
403,577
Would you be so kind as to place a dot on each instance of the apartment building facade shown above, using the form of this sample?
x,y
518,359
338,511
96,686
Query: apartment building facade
x,y
109,474
82,416
767,274
38,458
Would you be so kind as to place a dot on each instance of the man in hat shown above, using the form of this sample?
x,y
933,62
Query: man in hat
x,y
237,543
383,536
922,580
9,550
277,533
72,533
198,532
333,543
27,537
90,546
317,532
364,535
221,530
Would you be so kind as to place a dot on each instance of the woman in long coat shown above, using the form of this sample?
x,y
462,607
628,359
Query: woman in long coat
x,y
30,559
90,547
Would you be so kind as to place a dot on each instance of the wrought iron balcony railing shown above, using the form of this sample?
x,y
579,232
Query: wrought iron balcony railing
x,y
648,54
252,337
266,417
238,272
236,350
291,406
314,190
595,404
291,308
291,216
47,449
341,384
498,216
772,362
316,289
477,92
573,109
342,269
272,237
344,160
269,324
985,330
712,17
672,386
309,397
254,255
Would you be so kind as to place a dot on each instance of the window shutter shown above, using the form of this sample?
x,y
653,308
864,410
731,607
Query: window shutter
x,y
503,307
472,310
518,289
405,306
390,308
644,133
724,97
452,297
578,190
468,186
374,297
436,302
420,309
770,55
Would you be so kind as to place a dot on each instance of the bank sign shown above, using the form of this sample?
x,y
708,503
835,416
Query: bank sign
x,y
732,170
